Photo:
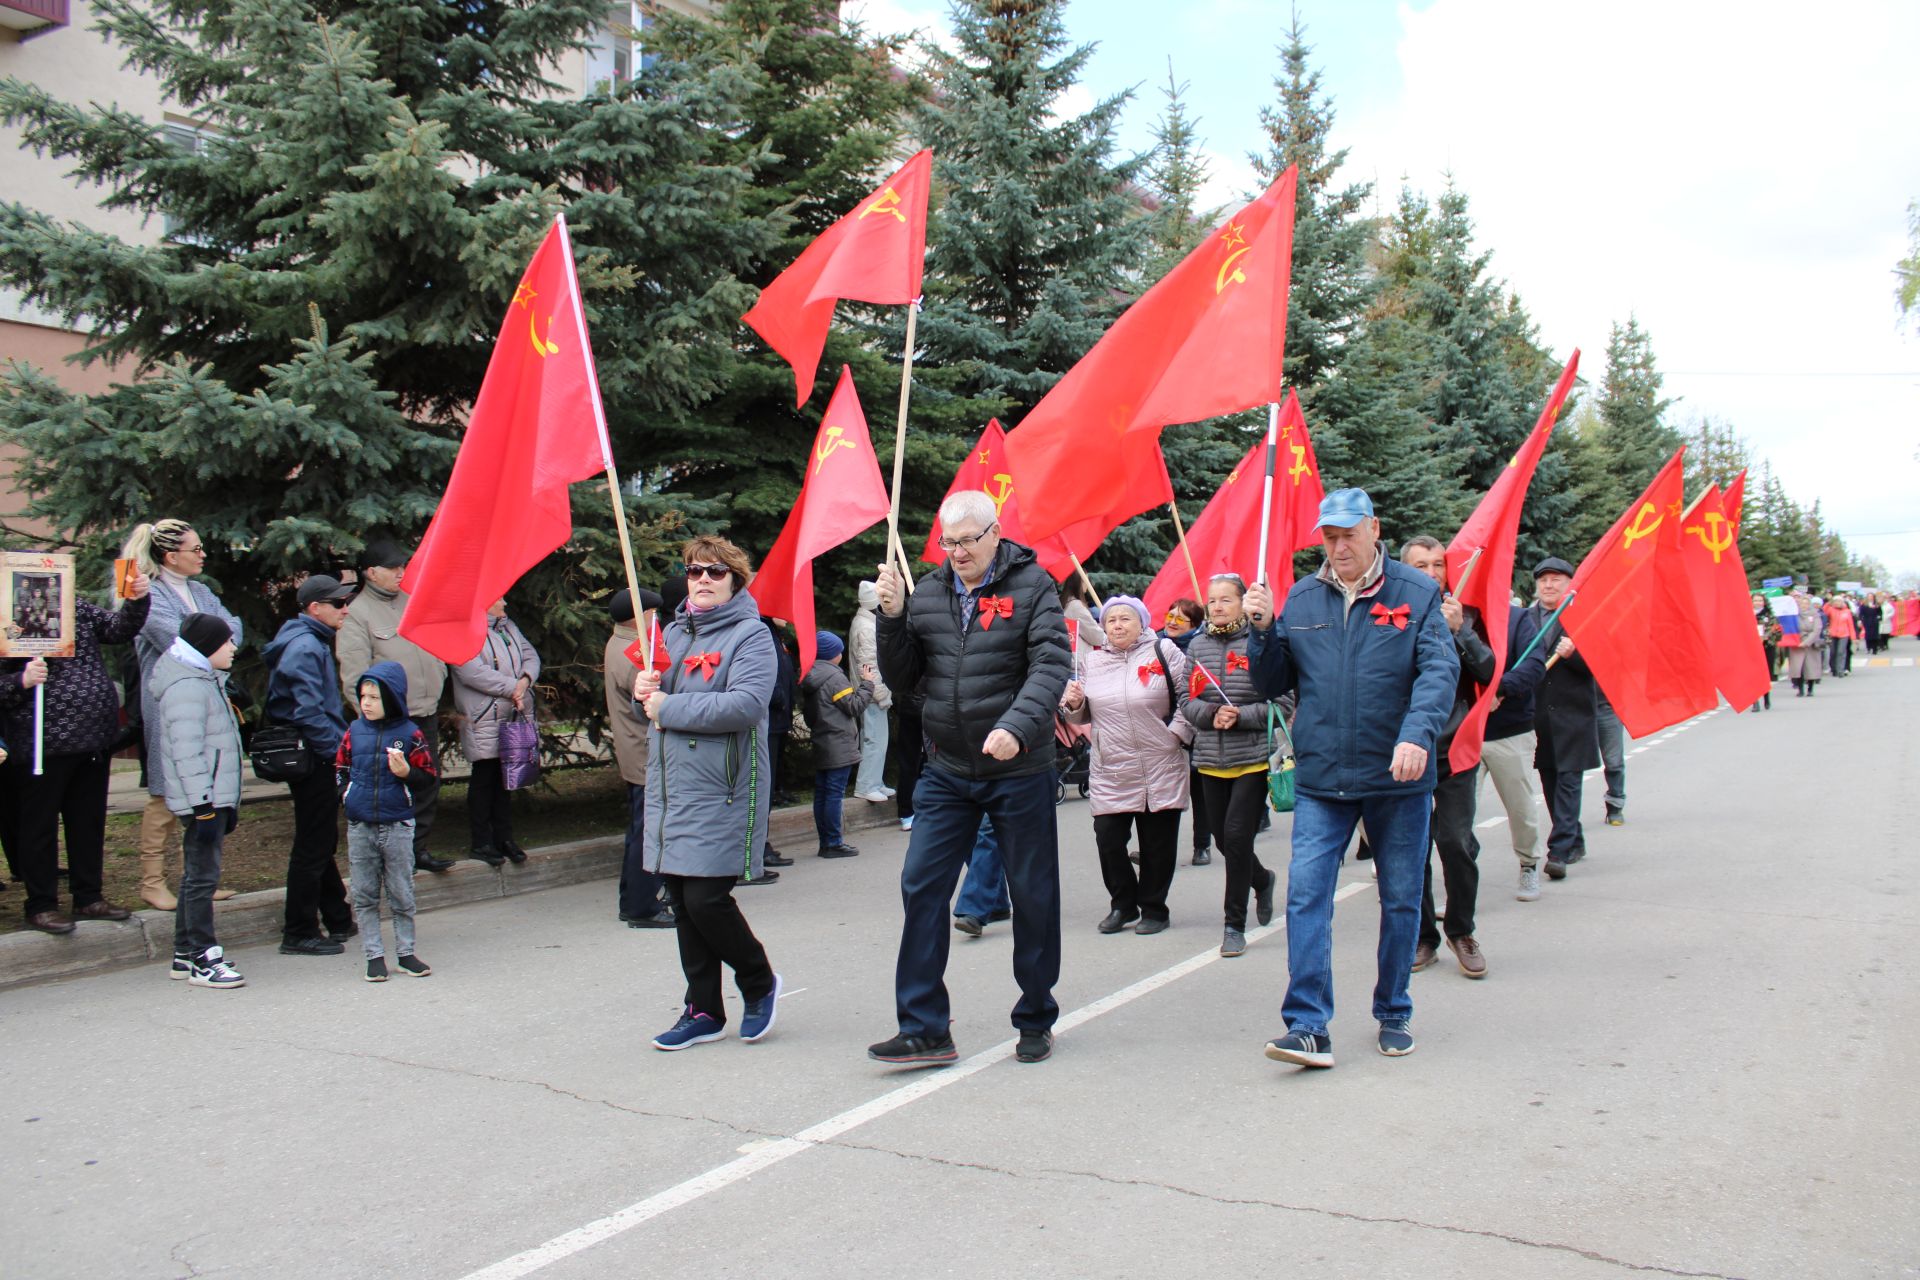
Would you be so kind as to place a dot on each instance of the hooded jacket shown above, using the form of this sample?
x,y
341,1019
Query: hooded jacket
x,y
1002,666
863,646
1134,702
369,791
833,706
709,781
195,753
165,611
1365,684
483,687
371,634
304,685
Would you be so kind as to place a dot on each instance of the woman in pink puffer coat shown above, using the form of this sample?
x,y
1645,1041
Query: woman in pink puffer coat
x,y
1131,691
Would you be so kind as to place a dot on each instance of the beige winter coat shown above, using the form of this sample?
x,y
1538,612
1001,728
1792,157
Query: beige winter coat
x,y
625,724
371,634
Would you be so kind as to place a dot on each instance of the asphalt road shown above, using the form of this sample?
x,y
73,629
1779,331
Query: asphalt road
x,y
1690,1058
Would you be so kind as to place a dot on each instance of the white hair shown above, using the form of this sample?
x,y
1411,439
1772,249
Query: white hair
x,y
969,506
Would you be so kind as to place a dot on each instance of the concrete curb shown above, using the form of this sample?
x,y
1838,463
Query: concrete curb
x,y
29,956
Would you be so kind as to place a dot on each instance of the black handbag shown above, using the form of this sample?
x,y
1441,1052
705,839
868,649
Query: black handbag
x,y
279,753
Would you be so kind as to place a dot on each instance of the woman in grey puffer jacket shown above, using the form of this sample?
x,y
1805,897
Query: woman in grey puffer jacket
x,y
1229,719
708,787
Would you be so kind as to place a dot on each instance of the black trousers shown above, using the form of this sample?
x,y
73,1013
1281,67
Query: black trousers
x,y
1234,806
316,896
712,932
489,806
1202,828
1146,891
909,750
72,793
777,736
1566,842
1453,839
426,803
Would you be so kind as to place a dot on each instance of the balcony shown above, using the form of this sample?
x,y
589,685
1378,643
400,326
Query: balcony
x,y
31,17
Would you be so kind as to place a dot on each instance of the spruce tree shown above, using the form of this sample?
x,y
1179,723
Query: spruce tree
x,y
1632,413
372,179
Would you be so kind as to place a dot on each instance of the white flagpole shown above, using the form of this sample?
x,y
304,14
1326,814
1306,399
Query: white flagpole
x,y
1266,493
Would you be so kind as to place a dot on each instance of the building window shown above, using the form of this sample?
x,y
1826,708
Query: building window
x,y
194,141
618,50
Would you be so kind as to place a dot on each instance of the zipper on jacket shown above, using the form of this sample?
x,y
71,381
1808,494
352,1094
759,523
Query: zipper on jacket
x,y
733,764
753,799
953,603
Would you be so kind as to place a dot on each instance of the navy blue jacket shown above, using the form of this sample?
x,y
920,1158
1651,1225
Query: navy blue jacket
x,y
304,685
367,787
1514,715
1364,685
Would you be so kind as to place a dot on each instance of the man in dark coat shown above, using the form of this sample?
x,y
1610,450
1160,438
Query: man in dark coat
x,y
1565,722
983,642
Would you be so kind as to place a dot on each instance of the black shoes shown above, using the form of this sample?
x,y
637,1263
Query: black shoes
x,y
424,861
972,926
661,919
310,947
341,935
1263,899
515,854
841,850
1201,857
915,1051
772,857
1117,920
1034,1046
487,855
1147,927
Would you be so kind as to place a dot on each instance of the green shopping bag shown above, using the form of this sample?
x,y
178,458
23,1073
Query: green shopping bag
x,y
1280,762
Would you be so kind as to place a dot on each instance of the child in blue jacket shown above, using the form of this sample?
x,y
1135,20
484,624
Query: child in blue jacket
x,y
382,764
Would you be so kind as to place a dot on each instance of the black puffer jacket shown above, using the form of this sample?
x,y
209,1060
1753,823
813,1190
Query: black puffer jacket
x,y
1005,669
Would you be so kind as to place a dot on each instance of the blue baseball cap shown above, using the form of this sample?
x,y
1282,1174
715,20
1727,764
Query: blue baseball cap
x,y
1345,508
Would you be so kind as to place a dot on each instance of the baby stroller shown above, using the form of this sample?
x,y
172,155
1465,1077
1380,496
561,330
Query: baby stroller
x,y
1072,757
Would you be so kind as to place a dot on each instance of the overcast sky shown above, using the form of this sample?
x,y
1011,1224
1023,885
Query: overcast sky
x,y
1737,176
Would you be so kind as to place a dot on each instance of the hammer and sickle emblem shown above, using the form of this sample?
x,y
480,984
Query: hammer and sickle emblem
x,y
1003,483
545,346
887,202
830,441
1637,530
1716,534
1230,274
1299,467
1233,476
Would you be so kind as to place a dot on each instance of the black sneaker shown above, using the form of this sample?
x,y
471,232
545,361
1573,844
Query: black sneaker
x,y
969,925
1396,1041
1263,899
377,969
1302,1048
915,1051
310,947
842,850
414,967
341,935
1202,857
662,919
1034,1046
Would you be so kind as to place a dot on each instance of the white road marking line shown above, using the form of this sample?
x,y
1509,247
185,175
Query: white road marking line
x,y
766,1153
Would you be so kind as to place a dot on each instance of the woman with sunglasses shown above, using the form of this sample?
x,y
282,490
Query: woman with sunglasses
x,y
708,787
1229,718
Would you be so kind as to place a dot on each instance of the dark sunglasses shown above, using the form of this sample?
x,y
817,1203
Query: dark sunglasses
x,y
713,571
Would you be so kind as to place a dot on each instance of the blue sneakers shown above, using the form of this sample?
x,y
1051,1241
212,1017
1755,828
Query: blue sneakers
x,y
758,1018
693,1028
1396,1041
1303,1049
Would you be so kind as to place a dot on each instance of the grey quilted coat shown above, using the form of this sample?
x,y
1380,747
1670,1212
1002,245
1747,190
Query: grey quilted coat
x,y
483,687
195,752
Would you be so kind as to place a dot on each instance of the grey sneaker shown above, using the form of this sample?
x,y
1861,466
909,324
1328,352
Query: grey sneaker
x,y
1529,890
1233,943
1396,1041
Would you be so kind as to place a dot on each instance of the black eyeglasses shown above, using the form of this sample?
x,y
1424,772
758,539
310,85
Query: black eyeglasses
x,y
954,544
712,571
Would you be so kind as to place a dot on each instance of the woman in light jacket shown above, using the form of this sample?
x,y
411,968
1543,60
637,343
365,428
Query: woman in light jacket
x,y
1131,691
489,689
1229,719
1805,658
864,651
708,788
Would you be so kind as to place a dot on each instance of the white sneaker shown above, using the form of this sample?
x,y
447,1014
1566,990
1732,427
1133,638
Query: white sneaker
x,y
891,792
876,797
906,823
1529,890
210,969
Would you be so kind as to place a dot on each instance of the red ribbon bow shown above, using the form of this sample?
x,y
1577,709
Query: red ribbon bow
x,y
1236,662
1148,670
1397,615
992,607
705,663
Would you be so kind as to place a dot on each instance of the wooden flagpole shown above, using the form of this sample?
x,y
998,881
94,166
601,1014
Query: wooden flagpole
x,y
1193,574
895,548
1085,580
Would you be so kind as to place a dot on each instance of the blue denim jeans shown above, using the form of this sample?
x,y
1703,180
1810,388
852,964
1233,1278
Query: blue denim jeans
x,y
829,794
1322,830
946,827
639,888
985,890
380,857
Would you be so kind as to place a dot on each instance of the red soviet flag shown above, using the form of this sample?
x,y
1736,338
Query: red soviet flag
x,y
985,468
1204,341
842,496
1734,499
1632,616
1487,541
536,427
1709,550
874,254
1226,537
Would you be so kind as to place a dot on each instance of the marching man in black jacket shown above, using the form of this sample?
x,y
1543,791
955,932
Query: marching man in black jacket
x,y
983,641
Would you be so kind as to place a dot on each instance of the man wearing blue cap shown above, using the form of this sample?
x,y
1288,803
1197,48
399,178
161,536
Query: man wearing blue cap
x,y
1365,647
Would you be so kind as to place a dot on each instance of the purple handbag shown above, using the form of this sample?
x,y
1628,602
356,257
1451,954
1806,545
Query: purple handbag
x,y
520,752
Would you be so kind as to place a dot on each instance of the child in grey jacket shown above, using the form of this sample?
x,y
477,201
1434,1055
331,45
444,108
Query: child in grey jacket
x,y
833,706
199,769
